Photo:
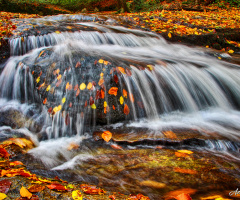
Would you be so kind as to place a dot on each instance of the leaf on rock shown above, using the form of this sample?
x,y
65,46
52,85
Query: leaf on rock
x,y
56,186
48,88
4,153
121,100
121,69
183,196
115,146
15,163
91,189
126,109
113,107
63,99
175,193
36,188
185,171
77,195
131,97
101,81
78,92
125,93
153,184
2,196
101,61
75,87
4,186
113,91
102,94
115,78
107,136
82,86
169,35
170,134
104,104
185,151
93,106
89,86
25,193
183,155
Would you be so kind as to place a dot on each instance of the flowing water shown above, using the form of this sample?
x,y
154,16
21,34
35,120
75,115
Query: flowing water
x,y
168,95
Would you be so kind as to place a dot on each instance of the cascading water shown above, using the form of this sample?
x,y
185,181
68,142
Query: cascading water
x,y
84,81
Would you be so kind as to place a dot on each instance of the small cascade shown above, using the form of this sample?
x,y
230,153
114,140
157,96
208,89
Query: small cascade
x,y
85,78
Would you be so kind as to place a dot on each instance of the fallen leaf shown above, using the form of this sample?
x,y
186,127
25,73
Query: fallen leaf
x,y
82,86
75,87
131,97
56,186
45,101
113,197
115,146
63,99
101,61
25,193
4,153
121,100
72,146
36,188
215,197
113,107
4,186
15,163
185,171
104,104
230,51
115,78
125,93
102,94
170,134
126,109
185,151
91,189
175,193
93,106
67,85
101,81
154,184
183,196
107,135
2,196
183,155
121,69
76,195
89,86
169,35
78,92
113,91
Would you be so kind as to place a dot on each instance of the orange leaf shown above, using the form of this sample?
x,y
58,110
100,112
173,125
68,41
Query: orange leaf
x,y
102,94
126,109
113,197
115,146
25,193
175,193
78,92
45,101
113,107
121,69
107,135
14,163
89,86
125,93
113,91
185,171
183,196
170,134
4,153
101,81
91,189
179,154
78,64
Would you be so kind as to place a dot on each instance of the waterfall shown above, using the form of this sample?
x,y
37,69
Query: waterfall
x,y
152,77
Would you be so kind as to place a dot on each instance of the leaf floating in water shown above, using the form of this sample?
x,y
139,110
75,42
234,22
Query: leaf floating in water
x,y
121,69
125,93
63,99
121,100
93,106
76,195
89,86
131,97
82,86
36,188
59,77
107,136
113,91
113,107
45,101
59,83
48,88
183,196
2,196
91,189
5,186
126,109
115,79
25,193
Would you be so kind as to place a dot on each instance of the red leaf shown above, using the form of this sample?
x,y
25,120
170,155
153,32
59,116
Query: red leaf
x,y
126,109
113,107
70,104
125,93
56,186
85,104
91,101
4,153
50,110
45,101
67,120
4,186
115,78
36,188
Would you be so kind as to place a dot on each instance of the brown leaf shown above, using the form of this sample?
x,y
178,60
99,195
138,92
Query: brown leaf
x,y
75,87
115,78
154,184
36,188
4,153
91,189
170,134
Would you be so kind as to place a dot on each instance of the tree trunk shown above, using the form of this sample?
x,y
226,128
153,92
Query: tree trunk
x,y
122,4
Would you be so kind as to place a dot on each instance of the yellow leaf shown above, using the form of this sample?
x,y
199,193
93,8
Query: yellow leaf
x,y
57,32
169,35
76,195
150,67
102,74
230,51
59,77
48,88
38,79
63,99
105,104
154,184
67,85
93,106
2,196
89,86
101,61
121,100
185,151
82,86
105,62
25,193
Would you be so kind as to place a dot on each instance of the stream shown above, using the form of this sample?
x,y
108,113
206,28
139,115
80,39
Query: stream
x,y
72,77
